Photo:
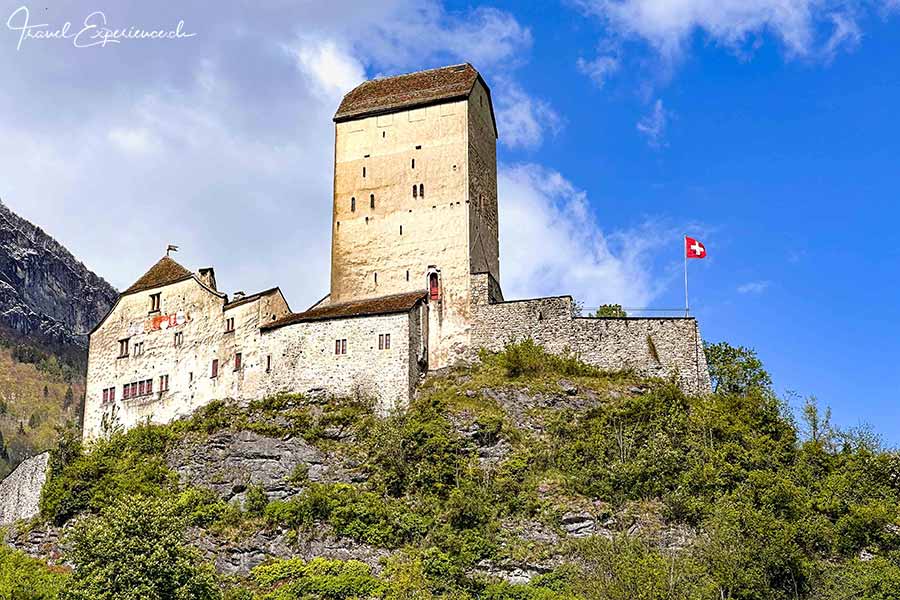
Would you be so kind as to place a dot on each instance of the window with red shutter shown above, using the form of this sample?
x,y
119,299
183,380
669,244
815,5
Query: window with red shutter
x,y
237,361
215,368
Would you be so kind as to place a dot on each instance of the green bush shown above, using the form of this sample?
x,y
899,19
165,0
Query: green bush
x,y
25,578
135,550
294,579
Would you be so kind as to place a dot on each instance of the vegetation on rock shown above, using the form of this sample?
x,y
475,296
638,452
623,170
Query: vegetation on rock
x,y
593,485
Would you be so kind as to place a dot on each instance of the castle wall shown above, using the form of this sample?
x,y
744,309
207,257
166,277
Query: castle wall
x,y
655,347
303,358
484,232
388,249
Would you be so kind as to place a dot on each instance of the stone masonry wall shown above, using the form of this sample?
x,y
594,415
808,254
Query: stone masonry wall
x,y
303,358
654,347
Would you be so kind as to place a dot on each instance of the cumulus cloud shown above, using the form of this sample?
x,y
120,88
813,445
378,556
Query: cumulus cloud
x,y
222,143
577,257
653,125
753,287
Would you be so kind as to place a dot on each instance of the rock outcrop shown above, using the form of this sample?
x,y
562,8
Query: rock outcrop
x,y
20,492
46,294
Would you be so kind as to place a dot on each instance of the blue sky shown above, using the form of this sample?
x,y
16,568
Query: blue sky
x,y
766,128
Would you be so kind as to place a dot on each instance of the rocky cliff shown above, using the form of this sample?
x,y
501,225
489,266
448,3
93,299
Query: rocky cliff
x,y
46,294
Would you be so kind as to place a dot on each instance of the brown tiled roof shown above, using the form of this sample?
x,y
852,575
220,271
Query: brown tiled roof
x,y
406,91
165,272
384,305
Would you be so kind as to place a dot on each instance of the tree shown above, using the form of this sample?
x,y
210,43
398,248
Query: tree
x,y
69,398
135,550
611,310
735,370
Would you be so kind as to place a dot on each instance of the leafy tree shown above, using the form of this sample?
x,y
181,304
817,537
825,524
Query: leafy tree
x,y
611,310
735,370
135,550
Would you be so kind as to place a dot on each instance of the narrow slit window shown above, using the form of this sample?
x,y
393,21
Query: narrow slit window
x,y
364,171
415,191
421,190
376,278
353,204
401,230
413,163
371,200
407,274
154,302
268,363
215,368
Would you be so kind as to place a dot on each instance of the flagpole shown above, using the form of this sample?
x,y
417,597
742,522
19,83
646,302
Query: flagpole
x,y
687,309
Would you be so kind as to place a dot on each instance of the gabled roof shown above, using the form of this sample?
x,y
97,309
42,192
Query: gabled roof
x,y
164,272
403,92
385,305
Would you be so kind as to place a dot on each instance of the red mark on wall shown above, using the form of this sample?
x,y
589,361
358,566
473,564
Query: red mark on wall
x,y
162,322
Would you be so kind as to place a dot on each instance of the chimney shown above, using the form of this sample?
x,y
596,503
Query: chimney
x,y
208,277
238,295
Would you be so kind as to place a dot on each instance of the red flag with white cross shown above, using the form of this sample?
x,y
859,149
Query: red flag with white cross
x,y
694,248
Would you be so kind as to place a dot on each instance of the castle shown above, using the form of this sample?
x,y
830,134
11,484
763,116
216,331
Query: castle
x,y
415,282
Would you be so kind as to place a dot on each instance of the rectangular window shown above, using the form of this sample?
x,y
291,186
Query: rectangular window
x,y
384,341
268,363
229,324
134,390
179,339
340,347
154,302
215,368
112,394
126,392
237,361
149,386
141,388
123,348
343,346
163,383
139,349
105,395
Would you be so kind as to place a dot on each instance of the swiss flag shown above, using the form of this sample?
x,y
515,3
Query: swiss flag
x,y
694,248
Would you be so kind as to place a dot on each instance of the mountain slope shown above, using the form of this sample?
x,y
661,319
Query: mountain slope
x,y
49,301
46,294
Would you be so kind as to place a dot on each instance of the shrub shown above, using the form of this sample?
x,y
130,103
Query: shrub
x,y
135,550
25,578
319,578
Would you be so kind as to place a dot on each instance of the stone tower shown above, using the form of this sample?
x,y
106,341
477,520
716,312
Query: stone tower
x,y
415,196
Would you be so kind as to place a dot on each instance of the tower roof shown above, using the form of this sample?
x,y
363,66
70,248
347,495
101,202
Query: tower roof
x,y
164,272
411,90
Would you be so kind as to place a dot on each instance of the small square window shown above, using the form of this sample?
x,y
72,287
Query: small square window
x,y
179,339
154,302
340,347
123,348
229,325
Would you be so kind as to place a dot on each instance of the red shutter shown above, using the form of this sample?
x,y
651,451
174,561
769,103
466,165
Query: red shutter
x,y
215,367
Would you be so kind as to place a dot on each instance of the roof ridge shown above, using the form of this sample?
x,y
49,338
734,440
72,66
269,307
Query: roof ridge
x,y
410,73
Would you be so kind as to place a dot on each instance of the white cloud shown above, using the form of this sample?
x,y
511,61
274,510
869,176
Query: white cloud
x,y
754,287
653,126
332,69
600,69
811,29
538,205
522,120
135,141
